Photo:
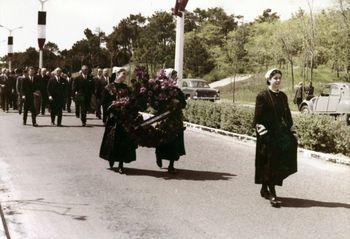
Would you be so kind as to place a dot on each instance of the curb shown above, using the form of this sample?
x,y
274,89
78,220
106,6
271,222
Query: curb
x,y
4,224
338,159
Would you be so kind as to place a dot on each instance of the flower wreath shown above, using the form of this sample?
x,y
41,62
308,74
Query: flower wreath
x,y
159,94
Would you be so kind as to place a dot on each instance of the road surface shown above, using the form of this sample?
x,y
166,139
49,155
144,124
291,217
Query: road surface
x,y
53,185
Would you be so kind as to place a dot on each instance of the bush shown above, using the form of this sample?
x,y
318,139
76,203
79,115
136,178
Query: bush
x,y
315,132
323,133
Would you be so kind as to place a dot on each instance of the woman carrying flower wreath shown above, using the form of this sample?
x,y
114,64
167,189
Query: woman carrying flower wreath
x,y
173,149
117,145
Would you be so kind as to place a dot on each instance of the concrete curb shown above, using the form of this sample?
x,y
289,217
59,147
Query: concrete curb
x,y
338,159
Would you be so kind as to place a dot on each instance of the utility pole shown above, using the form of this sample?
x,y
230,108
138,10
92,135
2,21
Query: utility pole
x,y
179,12
10,44
41,31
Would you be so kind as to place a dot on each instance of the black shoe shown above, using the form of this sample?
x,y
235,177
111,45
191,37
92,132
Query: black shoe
x,y
53,123
171,170
111,164
59,125
264,193
24,123
83,124
159,162
35,125
121,170
274,201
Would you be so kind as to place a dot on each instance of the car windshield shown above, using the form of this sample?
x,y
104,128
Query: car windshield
x,y
200,84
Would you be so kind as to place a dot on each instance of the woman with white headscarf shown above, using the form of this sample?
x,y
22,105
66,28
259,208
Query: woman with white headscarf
x,y
276,148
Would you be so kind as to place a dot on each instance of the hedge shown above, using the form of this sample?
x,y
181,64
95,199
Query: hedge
x,y
315,132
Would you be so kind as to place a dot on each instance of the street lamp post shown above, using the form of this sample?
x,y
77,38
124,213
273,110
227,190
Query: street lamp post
x,y
10,44
41,31
179,12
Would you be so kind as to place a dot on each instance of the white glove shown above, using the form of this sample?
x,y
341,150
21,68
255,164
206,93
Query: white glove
x,y
261,129
50,97
23,97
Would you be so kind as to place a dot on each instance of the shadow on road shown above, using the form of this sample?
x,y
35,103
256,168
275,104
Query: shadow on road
x,y
298,202
181,174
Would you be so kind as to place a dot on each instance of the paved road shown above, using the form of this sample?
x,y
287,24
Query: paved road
x,y
229,80
53,185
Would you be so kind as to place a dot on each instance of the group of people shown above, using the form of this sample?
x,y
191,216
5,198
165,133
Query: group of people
x,y
117,143
36,91
276,148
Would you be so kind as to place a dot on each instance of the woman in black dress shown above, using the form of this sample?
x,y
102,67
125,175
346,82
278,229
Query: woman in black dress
x,y
175,148
276,148
117,146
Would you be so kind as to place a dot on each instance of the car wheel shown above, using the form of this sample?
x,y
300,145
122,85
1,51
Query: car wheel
x,y
347,119
304,109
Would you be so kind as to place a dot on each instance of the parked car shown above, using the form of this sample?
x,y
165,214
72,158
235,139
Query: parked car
x,y
334,100
198,89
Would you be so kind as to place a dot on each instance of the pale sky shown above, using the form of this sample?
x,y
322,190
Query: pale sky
x,y
66,19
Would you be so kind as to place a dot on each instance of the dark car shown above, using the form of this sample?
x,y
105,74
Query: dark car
x,y
198,89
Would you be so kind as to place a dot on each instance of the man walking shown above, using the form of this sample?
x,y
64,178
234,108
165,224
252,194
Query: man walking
x,y
44,80
100,84
30,85
83,87
57,90
5,84
21,75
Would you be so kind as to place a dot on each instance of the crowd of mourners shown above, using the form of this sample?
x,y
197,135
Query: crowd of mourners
x,y
27,90
40,91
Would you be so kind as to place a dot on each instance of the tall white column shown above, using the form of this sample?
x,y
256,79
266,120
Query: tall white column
x,y
179,49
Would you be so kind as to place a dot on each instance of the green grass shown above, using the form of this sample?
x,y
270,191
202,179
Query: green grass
x,y
246,91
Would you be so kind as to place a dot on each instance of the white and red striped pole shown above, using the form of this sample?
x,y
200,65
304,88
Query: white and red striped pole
x,y
10,43
179,12
10,51
41,31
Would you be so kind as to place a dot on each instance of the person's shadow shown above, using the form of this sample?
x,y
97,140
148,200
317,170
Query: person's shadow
x,y
181,174
303,203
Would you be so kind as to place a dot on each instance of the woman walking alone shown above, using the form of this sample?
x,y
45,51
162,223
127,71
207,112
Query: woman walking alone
x,y
276,148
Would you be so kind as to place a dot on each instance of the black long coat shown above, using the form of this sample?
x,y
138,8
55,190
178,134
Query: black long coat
x,y
28,88
276,151
175,148
116,146
58,91
84,88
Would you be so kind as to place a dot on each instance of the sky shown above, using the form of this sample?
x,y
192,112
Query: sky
x,y
67,19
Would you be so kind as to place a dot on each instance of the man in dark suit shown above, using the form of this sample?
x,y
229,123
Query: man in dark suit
x,y
5,84
69,94
57,91
30,85
100,84
83,88
21,75
13,92
44,80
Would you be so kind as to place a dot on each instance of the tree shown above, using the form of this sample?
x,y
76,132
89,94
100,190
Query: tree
x,y
267,16
197,60
156,44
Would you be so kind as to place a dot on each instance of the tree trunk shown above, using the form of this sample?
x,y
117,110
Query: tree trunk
x,y
292,73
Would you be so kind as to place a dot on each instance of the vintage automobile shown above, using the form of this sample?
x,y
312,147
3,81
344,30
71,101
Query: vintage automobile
x,y
198,89
334,100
